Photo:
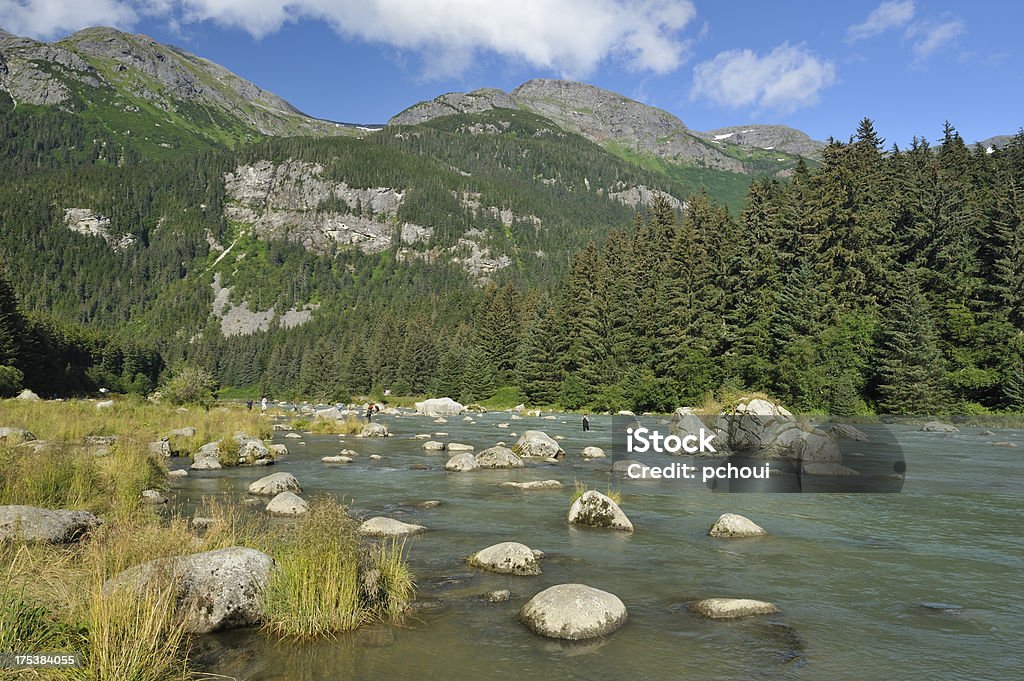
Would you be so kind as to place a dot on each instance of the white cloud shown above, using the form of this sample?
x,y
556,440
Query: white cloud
x,y
50,18
890,14
571,37
788,78
929,37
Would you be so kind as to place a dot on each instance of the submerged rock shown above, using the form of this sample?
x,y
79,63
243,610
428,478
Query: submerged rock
x,y
214,590
733,526
573,612
534,485
462,463
28,523
732,608
939,427
275,484
499,596
597,510
389,527
507,558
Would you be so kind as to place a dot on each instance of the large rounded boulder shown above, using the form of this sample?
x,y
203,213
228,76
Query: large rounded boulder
x,y
214,590
498,457
573,612
507,558
288,504
536,444
272,485
731,525
439,406
31,524
374,430
597,510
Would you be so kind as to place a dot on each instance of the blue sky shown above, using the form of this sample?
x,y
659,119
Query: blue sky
x,y
817,66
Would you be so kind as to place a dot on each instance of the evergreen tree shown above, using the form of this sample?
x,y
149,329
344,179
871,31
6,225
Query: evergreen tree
x,y
911,375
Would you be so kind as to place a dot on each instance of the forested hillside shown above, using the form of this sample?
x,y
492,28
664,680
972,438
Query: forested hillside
x,y
496,251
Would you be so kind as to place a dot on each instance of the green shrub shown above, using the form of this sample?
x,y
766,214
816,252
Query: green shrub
x,y
10,381
189,385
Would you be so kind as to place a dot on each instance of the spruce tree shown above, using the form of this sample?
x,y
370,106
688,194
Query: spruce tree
x,y
911,369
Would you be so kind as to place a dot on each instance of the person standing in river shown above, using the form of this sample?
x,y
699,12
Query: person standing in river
x,y
586,423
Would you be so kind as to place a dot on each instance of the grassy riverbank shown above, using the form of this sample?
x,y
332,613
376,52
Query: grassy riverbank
x,y
52,597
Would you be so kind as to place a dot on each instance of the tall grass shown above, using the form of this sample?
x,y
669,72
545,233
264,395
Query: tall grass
x,y
52,598
325,584
579,488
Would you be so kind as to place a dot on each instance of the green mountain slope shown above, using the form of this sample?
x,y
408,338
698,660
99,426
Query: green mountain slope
x,y
157,98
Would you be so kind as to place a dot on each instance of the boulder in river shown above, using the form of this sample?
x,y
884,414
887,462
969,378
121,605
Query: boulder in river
x,y
462,462
534,485
573,612
152,496
597,510
28,523
732,525
498,457
537,444
439,406
389,527
287,503
207,458
374,430
252,452
160,448
274,484
215,589
507,558
731,608
939,427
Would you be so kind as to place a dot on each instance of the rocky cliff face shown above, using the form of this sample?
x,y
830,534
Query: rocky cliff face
x,y
611,120
768,137
293,201
135,69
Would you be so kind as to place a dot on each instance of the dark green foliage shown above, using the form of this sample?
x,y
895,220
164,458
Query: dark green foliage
x,y
886,281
